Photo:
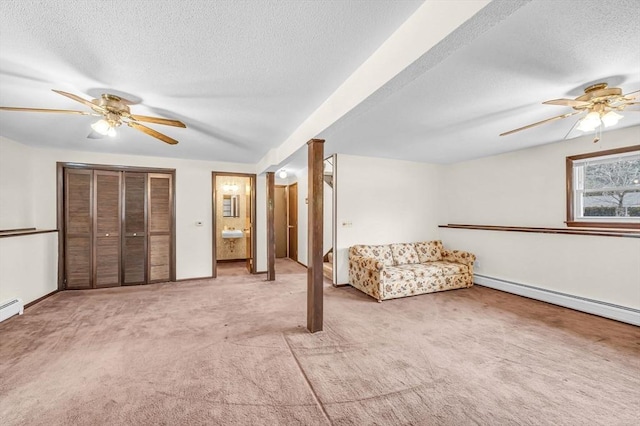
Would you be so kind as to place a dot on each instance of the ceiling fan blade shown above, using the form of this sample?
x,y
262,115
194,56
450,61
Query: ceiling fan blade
x,y
151,132
558,117
631,93
567,102
79,99
158,120
61,111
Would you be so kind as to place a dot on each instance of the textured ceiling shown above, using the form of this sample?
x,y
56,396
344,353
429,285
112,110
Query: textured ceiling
x,y
241,74
455,109
244,75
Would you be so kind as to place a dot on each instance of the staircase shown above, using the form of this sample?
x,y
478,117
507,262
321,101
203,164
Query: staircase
x,y
327,265
328,171
329,180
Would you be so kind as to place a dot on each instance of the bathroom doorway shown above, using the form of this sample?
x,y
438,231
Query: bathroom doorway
x,y
233,206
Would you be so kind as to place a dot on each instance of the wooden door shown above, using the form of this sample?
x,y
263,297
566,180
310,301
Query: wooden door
x,y
293,221
280,219
106,253
160,217
134,242
78,225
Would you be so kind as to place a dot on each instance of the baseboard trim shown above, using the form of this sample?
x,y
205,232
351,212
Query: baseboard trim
x,y
590,306
40,299
181,280
300,263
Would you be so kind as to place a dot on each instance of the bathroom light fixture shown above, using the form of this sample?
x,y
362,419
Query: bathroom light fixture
x,y
282,174
229,187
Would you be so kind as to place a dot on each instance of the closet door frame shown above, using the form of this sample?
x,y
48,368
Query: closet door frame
x,y
60,206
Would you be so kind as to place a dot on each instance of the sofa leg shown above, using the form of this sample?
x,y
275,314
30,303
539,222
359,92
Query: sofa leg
x,y
379,300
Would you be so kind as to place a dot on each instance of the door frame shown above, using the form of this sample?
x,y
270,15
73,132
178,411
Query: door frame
x,y
60,205
214,218
289,239
285,189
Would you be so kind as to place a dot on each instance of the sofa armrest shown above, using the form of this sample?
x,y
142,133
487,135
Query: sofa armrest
x,y
459,256
367,262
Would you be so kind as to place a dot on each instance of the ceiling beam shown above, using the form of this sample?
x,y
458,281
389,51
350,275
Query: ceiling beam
x,y
429,25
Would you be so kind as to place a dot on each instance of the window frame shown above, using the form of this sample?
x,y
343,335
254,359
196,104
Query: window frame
x,y
571,217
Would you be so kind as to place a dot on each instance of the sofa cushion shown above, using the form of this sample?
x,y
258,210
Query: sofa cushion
x,y
429,251
380,253
435,269
404,254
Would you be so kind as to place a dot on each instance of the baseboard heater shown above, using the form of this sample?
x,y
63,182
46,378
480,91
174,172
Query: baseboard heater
x,y
10,308
590,306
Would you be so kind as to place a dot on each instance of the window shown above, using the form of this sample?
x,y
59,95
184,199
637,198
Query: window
x,y
603,189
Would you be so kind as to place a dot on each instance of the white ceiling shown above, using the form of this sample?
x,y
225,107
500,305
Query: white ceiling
x,y
454,109
242,75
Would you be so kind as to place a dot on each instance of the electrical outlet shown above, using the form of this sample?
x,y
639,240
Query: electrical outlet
x,y
347,224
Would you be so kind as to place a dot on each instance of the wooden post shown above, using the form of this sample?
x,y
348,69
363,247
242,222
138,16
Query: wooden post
x,y
315,240
271,228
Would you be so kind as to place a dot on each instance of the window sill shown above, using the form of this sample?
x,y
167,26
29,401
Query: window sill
x,y
603,225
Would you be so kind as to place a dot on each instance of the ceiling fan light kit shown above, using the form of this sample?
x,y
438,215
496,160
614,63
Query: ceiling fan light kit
x,y
600,104
114,112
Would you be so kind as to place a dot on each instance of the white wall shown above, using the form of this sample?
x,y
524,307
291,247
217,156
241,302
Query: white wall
x,y
16,194
28,266
386,201
36,199
527,188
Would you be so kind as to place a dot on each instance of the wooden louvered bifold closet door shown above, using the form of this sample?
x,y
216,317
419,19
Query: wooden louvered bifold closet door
x,y
107,228
78,228
135,229
160,217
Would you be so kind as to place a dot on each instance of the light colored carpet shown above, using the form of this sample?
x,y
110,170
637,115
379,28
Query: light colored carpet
x,y
234,351
283,266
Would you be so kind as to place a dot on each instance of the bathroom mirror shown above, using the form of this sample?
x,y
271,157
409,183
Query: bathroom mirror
x,y
230,206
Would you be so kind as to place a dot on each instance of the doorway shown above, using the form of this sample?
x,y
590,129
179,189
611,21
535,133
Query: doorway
x,y
280,216
292,224
233,207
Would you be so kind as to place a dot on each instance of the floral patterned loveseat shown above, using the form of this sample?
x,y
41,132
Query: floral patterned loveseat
x,y
398,270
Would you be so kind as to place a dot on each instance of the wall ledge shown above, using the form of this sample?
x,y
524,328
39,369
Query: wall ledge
x,y
582,304
25,231
626,233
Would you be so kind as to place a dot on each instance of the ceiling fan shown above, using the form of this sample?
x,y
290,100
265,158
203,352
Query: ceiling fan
x,y
114,112
600,104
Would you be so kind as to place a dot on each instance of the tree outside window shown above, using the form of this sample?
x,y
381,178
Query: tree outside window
x,y
603,189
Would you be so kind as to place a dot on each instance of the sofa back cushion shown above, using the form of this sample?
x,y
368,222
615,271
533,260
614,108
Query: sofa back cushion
x,y
404,254
429,251
380,253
